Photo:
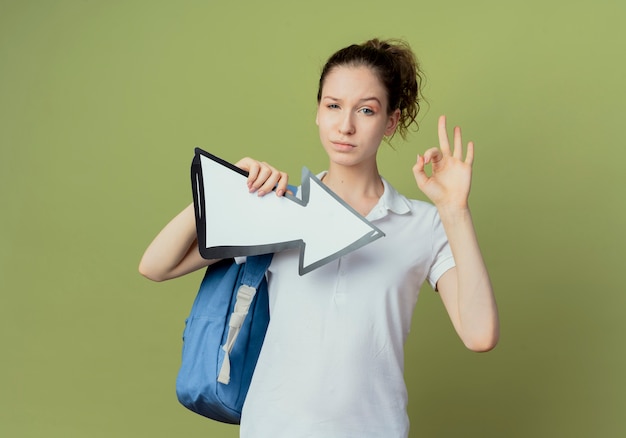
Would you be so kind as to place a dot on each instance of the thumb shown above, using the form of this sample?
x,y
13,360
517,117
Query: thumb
x,y
418,171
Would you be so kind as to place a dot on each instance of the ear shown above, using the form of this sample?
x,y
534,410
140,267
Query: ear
x,y
392,123
317,116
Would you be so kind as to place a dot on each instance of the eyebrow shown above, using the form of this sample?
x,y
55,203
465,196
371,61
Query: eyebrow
x,y
365,99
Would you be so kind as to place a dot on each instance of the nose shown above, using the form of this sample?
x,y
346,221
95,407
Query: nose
x,y
346,124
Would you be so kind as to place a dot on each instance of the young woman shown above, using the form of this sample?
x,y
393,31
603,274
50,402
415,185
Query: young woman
x,y
332,360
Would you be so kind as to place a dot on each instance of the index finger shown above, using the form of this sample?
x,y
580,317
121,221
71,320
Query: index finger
x,y
281,186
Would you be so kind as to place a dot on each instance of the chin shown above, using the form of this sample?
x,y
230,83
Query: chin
x,y
345,161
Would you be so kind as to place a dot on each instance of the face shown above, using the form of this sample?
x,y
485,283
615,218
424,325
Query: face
x,y
352,116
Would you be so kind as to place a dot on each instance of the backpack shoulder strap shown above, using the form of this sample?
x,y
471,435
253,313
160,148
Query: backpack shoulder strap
x,y
254,269
253,274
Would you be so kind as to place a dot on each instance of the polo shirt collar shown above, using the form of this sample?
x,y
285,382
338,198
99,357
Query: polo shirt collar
x,y
390,201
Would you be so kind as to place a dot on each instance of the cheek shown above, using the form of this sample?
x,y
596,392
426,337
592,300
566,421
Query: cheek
x,y
322,122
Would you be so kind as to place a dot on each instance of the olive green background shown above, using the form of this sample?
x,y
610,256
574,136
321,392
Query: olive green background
x,y
102,103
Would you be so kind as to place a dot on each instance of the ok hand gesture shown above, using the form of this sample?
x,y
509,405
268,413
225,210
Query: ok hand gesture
x,y
448,186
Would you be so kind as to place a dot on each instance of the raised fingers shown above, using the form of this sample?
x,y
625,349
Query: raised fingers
x,y
458,143
444,143
469,155
458,147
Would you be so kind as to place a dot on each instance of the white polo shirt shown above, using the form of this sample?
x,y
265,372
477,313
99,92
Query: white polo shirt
x,y
332,362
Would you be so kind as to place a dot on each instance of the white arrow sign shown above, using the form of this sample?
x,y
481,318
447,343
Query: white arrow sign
x,y
231,222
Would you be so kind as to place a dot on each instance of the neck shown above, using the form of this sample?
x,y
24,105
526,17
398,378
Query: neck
x,y
360,188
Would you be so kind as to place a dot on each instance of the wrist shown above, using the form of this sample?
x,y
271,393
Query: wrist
x,y
454,213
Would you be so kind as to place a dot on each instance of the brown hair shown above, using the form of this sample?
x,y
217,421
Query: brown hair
x,y
397,68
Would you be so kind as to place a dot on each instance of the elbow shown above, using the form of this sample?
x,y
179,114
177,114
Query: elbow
x,y
481,347
484,342
150,273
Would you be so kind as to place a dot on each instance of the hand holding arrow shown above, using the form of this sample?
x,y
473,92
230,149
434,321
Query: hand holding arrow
x,y
231,222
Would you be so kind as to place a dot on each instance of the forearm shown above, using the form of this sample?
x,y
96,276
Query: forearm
x,y
470,301
174,251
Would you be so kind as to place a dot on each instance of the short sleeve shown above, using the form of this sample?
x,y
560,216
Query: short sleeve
x,y
441,253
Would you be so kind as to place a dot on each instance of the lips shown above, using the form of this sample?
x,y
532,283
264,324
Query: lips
x,y
342,145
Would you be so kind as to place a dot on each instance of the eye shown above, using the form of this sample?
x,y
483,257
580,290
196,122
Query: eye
x,y
332,106
367,111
